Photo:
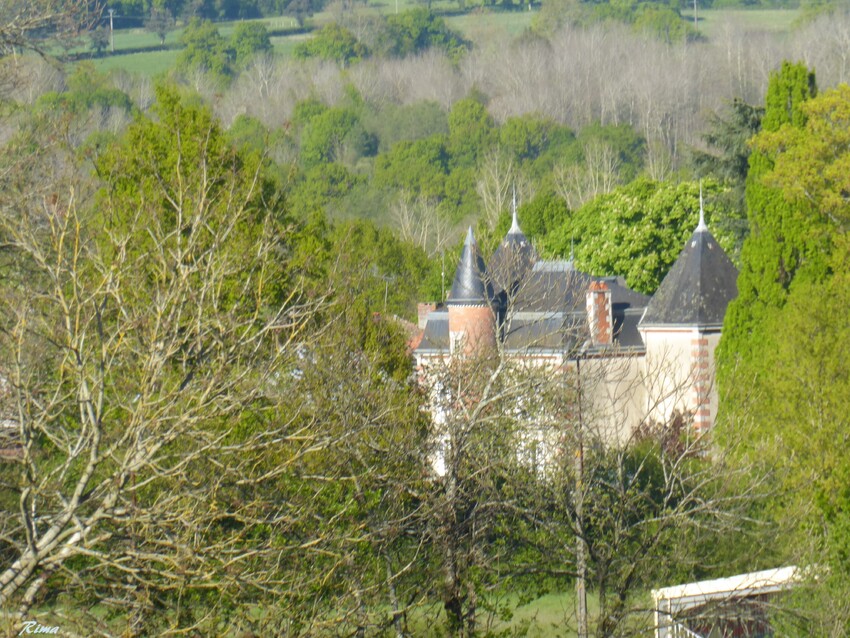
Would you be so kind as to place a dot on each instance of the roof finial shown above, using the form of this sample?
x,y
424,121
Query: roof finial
x,y
514,223
701,226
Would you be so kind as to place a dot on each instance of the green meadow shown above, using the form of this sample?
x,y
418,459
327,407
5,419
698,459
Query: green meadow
x,y
478,25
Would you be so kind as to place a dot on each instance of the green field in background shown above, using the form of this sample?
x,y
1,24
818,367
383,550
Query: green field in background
x,y
478,26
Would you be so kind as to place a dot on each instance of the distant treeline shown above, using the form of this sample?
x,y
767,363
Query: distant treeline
x,y
129,13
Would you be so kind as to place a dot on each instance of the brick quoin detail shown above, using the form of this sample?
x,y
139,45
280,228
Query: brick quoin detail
x,y
473,326
700,390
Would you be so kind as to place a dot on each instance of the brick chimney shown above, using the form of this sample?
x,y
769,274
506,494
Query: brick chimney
x,y
599,314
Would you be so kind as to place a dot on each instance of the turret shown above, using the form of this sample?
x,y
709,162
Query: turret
x,y
472,324
683,321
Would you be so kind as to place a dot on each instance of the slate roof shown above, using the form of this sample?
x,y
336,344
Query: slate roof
x,y
552,286
548,308
512,260
471,286
698,287
436,334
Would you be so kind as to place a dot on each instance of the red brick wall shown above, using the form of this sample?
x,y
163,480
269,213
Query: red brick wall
x,y
472,326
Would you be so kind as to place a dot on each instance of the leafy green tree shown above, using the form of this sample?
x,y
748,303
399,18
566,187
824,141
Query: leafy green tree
x,y
415,30
161,22
663,22
164,291
329,134
786,239
302,9
636,231
419,167
471,132
320,185
205,50
628,146
99,38
784,383
332,42
86,89
248,40
728,157
538,144
659,18
306,110
810,161
396,122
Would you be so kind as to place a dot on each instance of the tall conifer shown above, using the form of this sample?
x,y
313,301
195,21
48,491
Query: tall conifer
x,y
785,241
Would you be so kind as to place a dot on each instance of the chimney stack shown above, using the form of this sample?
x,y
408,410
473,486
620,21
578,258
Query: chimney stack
x,y
599,313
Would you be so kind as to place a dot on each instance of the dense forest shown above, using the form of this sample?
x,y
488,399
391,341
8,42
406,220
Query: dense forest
x,y
210,420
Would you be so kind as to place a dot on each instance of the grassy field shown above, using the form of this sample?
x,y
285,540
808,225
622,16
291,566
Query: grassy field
x,y
712,22
550,616
478,26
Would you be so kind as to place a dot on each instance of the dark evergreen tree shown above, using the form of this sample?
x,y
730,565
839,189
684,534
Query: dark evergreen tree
x,y
786,241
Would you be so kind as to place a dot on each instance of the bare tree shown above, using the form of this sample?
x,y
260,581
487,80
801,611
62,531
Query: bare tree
x,y
421,222
579,183
34,25
140,338
497,174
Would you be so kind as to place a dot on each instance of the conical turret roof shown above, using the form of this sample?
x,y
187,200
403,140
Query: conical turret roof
x,y
513,259
471,286
698,287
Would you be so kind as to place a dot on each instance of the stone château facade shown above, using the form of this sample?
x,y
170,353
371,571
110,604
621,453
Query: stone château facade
x,y
652,357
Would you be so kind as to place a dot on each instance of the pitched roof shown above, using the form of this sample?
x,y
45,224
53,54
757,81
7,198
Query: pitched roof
x,y
698,287
435,337
471,285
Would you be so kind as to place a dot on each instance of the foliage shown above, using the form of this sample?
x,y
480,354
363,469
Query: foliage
x,y
628,146
160,21
40,25
248,40
811,161
471,132
419,167
416,30
393,123
332,42
205,50
320,185
99,38
636,231
658,18
248,134
728,158
786,239
544,214
386,274
87,89
335,134
302,9
785,381
155,304
537,142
